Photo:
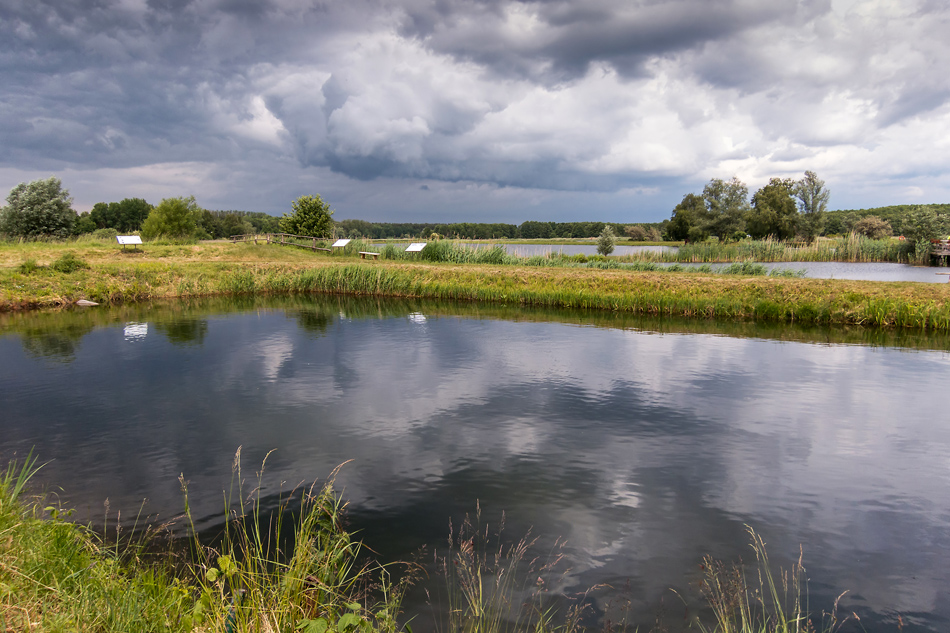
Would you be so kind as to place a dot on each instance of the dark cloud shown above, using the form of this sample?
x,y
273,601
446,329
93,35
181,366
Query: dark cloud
x,y
569,36
558,95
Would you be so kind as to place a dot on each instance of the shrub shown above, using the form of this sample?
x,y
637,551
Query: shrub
x,y
873,227
105,234
606,241
636,233
27,266
68,263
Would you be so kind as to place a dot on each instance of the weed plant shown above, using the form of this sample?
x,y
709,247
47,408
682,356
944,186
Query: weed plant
x,y
769,602
494,587
57,576
68,263
265,575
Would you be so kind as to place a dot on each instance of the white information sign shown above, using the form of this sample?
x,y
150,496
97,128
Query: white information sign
x,y
416,247
340,243
128,239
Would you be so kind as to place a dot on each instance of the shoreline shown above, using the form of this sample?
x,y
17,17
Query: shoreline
x,y
223,269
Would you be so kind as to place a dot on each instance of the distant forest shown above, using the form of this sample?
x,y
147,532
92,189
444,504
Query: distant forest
x,y
480,231
127,216
839,222
842,222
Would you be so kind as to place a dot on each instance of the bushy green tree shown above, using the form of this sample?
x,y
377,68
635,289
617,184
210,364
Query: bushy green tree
x,y
606,241
310,216
84,224
636,233
873,227
126,216
41,208
688,214
812,198
173,218
773,211
923,224
726,206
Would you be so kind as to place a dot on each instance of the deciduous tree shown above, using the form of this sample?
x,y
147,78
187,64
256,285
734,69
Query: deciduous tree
x,y
873,227
41,208
173,217
687,214
812,198
773,211
310,216
726,206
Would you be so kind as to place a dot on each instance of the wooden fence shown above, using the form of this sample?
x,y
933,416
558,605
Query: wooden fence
x,y
284,239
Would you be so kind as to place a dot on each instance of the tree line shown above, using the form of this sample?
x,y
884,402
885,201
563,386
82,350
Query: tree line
x,y
784,209
43,208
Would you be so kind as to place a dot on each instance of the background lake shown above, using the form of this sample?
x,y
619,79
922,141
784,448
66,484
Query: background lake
x,y
646,444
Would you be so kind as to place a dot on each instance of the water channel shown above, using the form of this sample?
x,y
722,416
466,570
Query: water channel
x,y
865,271
646,444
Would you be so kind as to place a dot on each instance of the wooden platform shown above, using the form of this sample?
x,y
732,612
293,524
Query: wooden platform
x,y
939,252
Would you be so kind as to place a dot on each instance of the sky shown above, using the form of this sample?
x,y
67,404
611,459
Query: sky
x,y
474,110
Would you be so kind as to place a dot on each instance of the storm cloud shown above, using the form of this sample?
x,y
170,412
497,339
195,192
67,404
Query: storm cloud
x,y
477,109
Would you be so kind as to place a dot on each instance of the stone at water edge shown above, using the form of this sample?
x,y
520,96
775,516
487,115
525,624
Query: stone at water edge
x,y
86,303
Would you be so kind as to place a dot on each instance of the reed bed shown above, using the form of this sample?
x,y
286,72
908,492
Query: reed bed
x,y
851,248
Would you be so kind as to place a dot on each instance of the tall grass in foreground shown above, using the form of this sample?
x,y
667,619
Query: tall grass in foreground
x,y
262,576
57,576
265,575
494,587
769,602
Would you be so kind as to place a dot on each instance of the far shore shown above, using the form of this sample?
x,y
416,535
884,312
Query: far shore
x,y
107,274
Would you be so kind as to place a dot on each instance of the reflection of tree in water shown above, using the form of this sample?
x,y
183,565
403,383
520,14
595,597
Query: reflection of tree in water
x,y
59,344
315,321
184,331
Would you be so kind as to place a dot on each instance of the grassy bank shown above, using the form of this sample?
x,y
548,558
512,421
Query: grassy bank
x,y
30,278
58,576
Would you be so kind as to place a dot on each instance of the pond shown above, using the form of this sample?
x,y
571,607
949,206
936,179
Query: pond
x,y
646,444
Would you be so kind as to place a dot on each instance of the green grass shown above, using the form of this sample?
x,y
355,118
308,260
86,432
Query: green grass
x,y
760,599
59,576
28,280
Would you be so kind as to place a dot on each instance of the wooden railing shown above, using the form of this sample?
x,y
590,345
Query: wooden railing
x,y
284,239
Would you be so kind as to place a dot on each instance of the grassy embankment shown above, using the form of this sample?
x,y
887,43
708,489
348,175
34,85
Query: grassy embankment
x,y
106,274
59,576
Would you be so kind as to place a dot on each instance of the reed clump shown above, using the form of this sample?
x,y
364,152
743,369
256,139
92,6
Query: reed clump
x,y
770,601
491,586
850,248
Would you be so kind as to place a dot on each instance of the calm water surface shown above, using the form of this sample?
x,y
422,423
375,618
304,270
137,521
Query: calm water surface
x,y
644,444
875,271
